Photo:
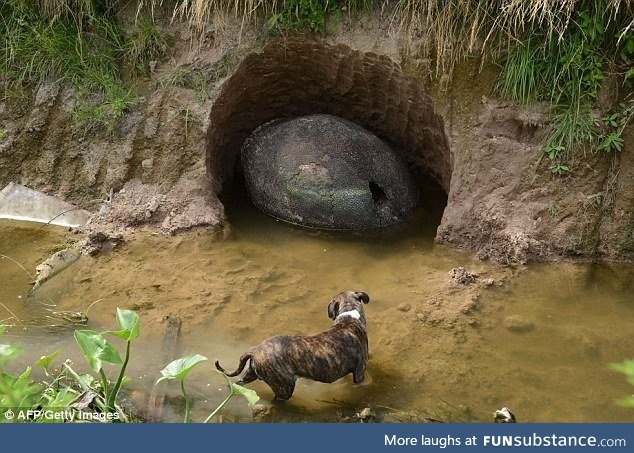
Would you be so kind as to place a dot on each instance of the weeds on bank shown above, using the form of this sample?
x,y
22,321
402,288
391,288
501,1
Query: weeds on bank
x,y
78,43
281,15
144,45
310,15
66,391
567,70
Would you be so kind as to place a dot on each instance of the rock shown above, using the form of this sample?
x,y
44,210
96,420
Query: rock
x,y
98,242
366,415
488,282
404,307
152,206
326,172
504,415
462,276
261,412
55,264
147,163
518,324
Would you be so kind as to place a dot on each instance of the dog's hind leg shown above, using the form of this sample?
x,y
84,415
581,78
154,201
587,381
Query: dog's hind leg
x,y
283,389
358,374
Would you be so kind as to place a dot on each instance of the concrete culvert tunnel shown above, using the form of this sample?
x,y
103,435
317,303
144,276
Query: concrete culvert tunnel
x,y
328,137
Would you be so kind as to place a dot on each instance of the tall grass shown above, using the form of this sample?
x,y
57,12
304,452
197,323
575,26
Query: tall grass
x,y
566,67
554,51
78,42
283,15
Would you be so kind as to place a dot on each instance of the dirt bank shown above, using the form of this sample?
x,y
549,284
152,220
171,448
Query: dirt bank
x,y
164,163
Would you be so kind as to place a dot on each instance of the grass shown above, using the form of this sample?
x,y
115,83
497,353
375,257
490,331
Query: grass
x,y
566,67
202,81
281,15
79,43
145,44
558,52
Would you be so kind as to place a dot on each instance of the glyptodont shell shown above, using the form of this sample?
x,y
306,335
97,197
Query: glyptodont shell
x,y
326,172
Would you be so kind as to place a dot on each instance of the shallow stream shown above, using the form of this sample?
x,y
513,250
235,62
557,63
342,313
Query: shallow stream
x,y
537,339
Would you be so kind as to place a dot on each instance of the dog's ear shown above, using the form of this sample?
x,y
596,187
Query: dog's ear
x,y
363,297
333,309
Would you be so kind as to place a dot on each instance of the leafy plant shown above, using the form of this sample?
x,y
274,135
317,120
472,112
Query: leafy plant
x,y
234,389
180,368
302,14
69,391
97,350
16,392
3,134
567,70
559,169
627,368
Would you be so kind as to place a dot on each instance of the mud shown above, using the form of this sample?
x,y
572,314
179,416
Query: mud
x,y
438,350
163,165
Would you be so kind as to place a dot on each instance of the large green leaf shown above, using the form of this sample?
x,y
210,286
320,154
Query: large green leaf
x,y
249,394
180,368
45,360
129,325
96,349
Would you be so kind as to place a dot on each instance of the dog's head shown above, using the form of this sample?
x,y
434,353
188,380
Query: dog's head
x,y
348,304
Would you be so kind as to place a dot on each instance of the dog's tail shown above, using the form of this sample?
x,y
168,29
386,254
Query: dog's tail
x,y
243,362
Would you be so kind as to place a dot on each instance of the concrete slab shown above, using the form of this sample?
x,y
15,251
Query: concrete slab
x,y
21,203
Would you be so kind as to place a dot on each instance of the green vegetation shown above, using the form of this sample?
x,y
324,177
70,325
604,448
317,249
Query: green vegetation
x,y
180,368
281,15
567,70
310,15
575,55
627,368
83,397
68,391
144,45
97,350
202,81
80,43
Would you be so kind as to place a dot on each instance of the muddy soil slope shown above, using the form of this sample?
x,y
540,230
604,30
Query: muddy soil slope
x,y
164,163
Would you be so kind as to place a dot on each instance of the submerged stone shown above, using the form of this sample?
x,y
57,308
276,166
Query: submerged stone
x,y
326,172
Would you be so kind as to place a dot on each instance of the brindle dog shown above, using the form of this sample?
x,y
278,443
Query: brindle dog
x,y
324,357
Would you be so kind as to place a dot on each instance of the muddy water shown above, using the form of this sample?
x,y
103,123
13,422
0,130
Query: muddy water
x,y
438,350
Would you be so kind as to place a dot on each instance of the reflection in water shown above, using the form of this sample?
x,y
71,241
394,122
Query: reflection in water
x,y
446,351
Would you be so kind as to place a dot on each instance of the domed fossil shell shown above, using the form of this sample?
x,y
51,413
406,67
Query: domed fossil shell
x,y
326,172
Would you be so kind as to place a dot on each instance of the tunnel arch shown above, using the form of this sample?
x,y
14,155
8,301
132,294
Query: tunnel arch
x,y
299,76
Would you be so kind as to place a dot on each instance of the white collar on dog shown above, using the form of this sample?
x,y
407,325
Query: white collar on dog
x,y
352,313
